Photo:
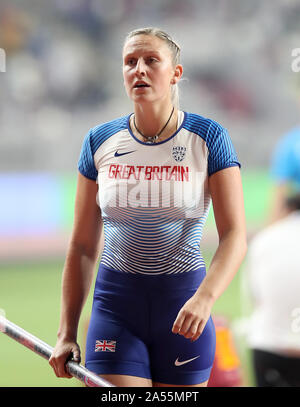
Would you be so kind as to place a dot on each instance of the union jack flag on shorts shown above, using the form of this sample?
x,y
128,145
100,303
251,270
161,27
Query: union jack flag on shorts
x,y
105,346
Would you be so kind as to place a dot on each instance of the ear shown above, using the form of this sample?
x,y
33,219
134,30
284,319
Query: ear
x,y
177,74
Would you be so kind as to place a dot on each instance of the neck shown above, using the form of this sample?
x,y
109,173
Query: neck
x,y
151,120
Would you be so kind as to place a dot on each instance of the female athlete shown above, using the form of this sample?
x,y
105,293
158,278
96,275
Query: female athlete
x,y
148,178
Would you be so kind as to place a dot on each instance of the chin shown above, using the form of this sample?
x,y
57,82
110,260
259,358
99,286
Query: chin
x,y
141,99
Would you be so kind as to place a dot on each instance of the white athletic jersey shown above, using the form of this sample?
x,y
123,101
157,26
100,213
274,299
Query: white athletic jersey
x,y
154,198
273,276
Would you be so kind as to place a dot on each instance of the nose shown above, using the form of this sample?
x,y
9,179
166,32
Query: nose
x,y
140,67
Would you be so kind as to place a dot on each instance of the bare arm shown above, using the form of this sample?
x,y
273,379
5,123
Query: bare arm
x,y
78,271
227,197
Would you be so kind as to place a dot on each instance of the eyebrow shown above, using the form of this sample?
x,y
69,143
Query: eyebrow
x,y
147,52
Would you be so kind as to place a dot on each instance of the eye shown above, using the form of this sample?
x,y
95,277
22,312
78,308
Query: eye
x,y
130,61
151,60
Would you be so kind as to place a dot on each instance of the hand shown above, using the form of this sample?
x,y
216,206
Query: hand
x,y
64,350
192,317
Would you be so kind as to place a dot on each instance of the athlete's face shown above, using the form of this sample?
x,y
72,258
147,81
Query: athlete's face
x,y
148,69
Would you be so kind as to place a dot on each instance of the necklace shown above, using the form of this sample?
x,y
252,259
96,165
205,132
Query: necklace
x,y
152,139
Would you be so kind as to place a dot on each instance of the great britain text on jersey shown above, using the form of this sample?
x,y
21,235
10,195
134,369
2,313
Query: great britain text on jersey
x,y
149,172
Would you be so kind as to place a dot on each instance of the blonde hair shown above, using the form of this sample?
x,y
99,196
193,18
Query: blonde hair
x,y
173,46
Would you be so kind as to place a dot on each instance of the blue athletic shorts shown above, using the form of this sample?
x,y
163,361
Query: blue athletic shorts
x,y
130,330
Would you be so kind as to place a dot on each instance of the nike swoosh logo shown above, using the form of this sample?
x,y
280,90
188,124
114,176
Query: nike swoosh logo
x,y
177,363
119,154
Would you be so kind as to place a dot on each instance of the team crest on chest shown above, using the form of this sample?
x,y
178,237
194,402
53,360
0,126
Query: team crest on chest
x,y
178,153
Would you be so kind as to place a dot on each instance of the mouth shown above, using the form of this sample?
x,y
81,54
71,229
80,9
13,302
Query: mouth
x,y
141,85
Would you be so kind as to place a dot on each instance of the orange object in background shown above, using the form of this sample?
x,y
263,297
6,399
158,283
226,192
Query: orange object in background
x,y
226,371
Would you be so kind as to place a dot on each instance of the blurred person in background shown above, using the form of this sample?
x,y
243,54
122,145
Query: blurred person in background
x,y
273,278
151,319
285,172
